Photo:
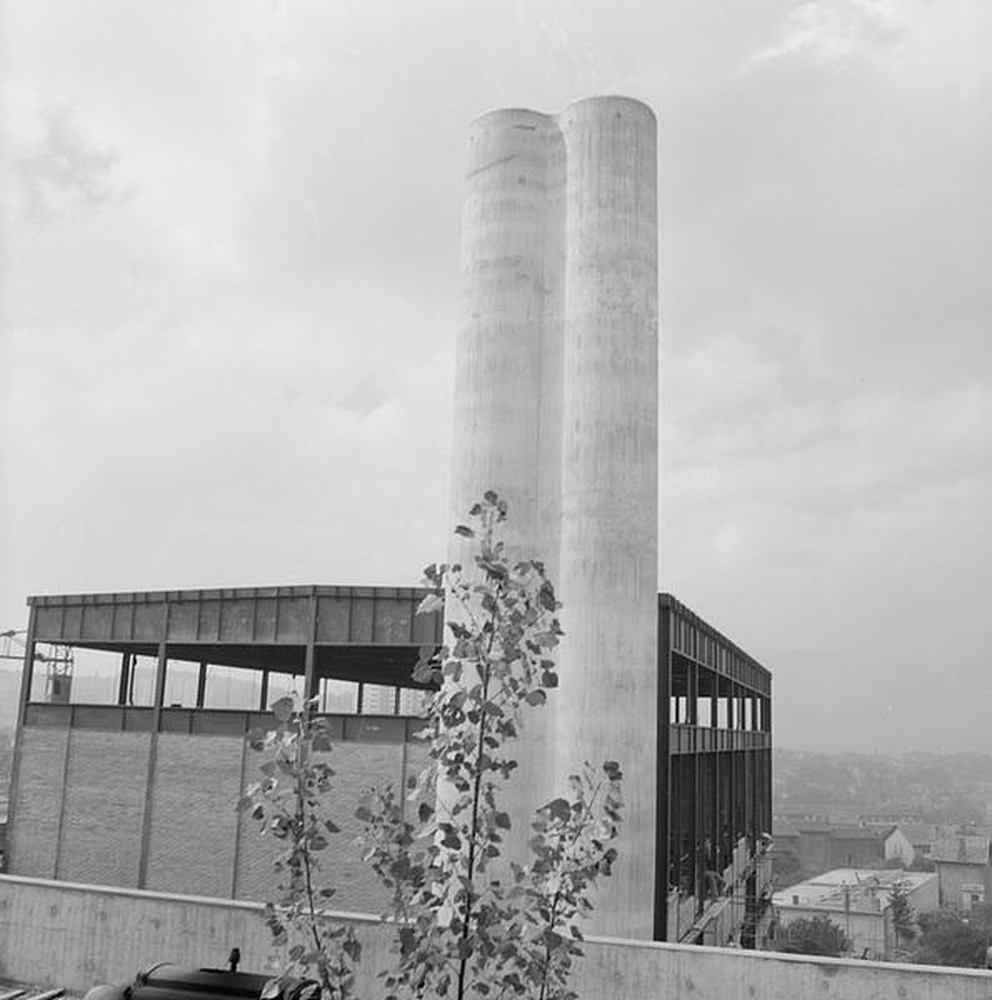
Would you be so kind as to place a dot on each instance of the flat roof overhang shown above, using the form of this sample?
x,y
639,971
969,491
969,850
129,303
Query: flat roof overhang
x,y
368,634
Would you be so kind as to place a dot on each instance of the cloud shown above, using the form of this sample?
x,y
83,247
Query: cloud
x,y
227,353
833,31
912,42
64,172
860,513
742,410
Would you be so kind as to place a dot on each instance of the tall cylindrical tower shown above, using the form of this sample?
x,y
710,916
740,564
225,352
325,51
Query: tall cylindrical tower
x,y
509,230
607,708
556,402
510,320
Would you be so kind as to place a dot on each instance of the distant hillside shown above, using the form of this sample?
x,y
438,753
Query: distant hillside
x,y
938,788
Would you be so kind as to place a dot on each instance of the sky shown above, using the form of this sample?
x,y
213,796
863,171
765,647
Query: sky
x,y
229,300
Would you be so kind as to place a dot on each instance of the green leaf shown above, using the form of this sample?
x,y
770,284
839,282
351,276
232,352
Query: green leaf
x,y
558,809
283,709
430,604
465,531
321,743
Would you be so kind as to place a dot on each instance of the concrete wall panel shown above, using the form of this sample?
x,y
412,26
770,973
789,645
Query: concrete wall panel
x,y
54,934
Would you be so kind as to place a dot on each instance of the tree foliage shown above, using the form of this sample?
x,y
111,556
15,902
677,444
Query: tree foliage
x,y
469,920
472,922
903,914
290,803
817,935
951,938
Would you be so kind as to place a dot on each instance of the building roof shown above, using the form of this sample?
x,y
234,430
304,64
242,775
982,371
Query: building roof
x,y
858,889
847,832
962,850
783,830
919,834
712,647
861,832
370,634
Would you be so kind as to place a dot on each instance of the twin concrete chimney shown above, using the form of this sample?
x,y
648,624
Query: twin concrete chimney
x,y
556,408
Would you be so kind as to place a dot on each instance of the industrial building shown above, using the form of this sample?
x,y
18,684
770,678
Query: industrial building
x,y
140,791
556,410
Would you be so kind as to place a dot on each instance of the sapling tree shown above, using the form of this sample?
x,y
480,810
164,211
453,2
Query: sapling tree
x,y
290,802
903,914
470,921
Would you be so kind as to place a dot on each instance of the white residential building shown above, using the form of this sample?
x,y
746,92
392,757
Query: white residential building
x,y
858,901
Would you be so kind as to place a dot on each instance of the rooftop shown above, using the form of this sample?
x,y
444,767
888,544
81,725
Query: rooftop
x,y
962,850
370,634
858,889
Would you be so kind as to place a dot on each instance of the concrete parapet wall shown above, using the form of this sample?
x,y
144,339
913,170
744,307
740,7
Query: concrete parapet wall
x,y
56,933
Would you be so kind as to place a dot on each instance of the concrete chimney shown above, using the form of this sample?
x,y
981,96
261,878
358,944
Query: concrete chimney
x,y
556,408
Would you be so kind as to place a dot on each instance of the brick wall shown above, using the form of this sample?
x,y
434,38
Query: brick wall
x,y
197,842
32,838
104,807
193,821
357,767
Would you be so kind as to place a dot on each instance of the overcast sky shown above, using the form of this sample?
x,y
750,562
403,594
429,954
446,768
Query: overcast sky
x,y
229,304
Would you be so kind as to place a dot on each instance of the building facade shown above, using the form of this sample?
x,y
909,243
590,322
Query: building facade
x,y
140,790
556,410
964,868
859,902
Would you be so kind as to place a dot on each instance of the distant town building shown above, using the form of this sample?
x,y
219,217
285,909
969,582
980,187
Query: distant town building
x,y
859,902
818,847
824,847
899,847
964,871
785,839
922,836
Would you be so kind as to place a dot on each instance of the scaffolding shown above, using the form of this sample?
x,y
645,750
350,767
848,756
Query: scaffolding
x,y
57,659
